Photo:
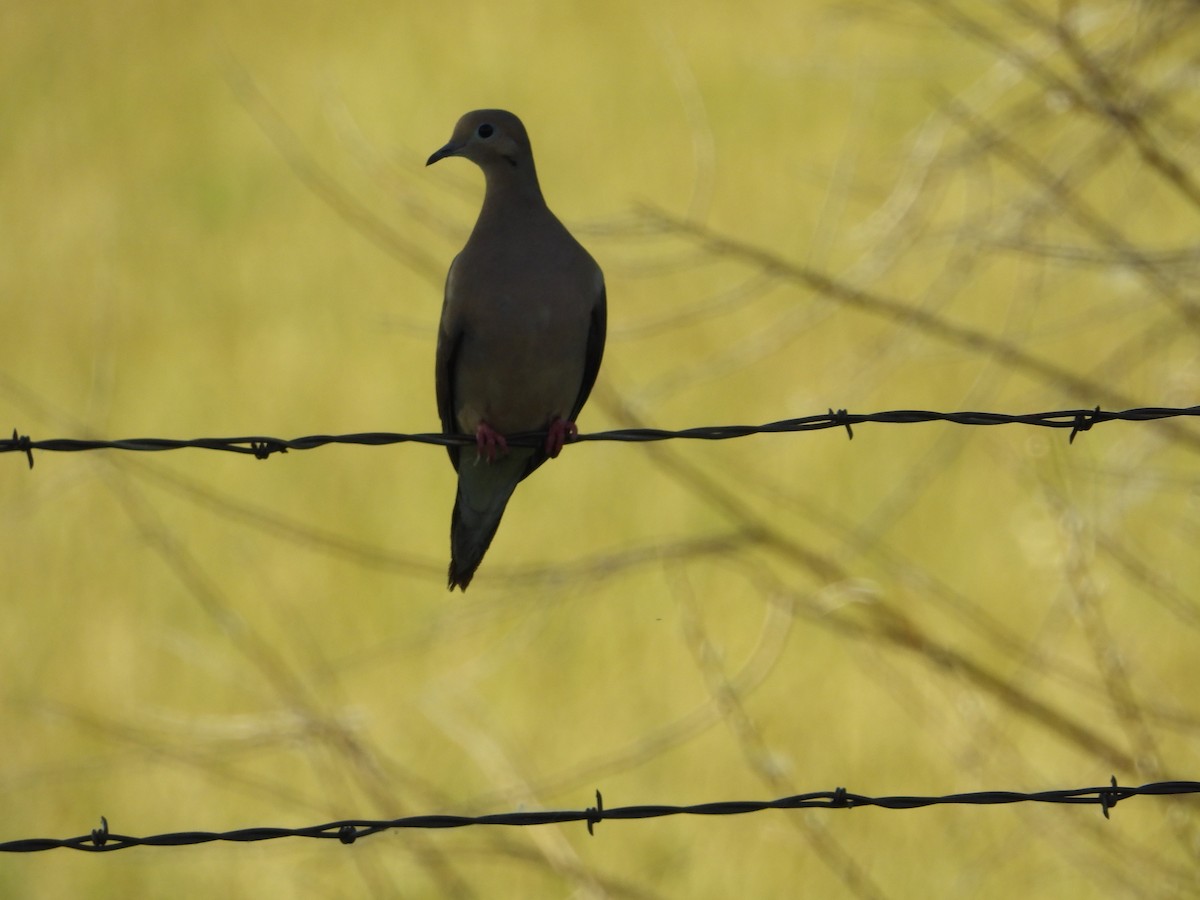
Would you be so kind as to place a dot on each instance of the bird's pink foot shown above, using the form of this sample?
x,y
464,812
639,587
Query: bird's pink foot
x,y
489,443
557,435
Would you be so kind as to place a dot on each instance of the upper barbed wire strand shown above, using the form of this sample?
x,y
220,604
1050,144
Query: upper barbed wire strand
x,y
1076,420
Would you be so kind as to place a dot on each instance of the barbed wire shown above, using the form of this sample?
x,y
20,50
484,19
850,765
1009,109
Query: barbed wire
x,y
102,840
1077,420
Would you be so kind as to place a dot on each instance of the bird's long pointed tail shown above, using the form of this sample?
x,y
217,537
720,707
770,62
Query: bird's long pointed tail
x,y
483,492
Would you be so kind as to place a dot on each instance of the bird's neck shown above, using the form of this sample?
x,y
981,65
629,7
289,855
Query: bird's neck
x,y
510,188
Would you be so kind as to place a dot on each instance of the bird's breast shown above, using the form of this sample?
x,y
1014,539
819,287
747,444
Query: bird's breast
x,y
520,364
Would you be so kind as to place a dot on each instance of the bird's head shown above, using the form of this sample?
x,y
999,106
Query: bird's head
x,y
489,138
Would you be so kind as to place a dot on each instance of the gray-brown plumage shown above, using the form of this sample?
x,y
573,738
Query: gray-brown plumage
x,y
521,337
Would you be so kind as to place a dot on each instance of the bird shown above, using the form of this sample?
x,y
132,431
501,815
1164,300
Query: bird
x,y
521,336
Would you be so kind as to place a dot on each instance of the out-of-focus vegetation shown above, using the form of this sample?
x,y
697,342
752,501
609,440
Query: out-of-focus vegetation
x,y
216,220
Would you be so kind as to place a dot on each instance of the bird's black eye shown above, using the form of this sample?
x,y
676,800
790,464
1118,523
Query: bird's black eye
x,y
485,130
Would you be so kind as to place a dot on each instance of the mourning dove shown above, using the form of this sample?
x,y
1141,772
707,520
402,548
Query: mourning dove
x,y
521,337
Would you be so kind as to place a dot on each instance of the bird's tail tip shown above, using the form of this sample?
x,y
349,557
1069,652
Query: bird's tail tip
x,y
467,548
460,576
477,512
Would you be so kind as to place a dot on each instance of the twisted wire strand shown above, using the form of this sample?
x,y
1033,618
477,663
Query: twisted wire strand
x,y
1076,420
102,840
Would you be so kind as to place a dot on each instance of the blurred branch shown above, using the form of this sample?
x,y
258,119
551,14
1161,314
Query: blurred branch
x,y
691,99
760,663
753,746
882,623
1107,100
1186,258
1076,208
896,310
359,216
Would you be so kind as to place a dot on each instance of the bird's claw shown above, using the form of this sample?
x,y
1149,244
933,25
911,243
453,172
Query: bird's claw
x,y
557,435
489,443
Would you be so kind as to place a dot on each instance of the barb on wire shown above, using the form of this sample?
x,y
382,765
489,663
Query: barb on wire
x,y
349,830
1076,420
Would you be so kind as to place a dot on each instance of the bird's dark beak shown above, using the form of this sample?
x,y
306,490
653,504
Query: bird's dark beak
x,y
449,150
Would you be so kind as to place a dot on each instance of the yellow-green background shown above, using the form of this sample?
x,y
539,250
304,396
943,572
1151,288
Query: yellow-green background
x,y
215,220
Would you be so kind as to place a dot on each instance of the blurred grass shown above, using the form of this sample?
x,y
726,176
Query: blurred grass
x,y
195,642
